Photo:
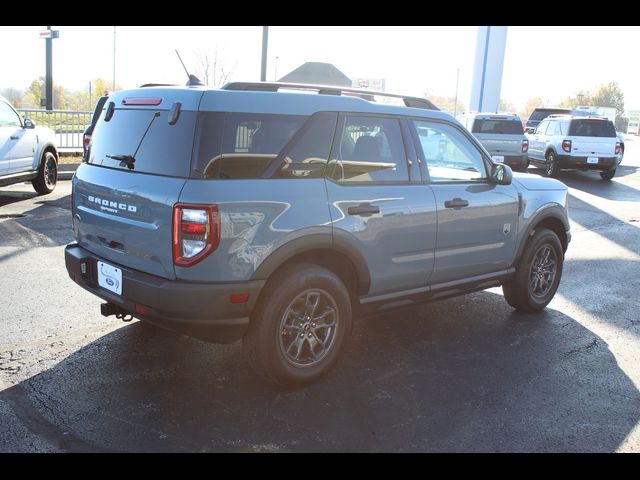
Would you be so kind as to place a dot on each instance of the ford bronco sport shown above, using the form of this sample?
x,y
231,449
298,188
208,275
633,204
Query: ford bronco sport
x,y
262,213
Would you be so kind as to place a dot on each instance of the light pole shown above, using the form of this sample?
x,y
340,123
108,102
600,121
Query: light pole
x,y
275,73
263,67
113,88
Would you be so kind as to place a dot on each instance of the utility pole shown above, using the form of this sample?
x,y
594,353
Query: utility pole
x,y
265,40
48,82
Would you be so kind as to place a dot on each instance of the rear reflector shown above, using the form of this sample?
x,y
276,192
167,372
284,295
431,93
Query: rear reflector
x,y
141,309
142,101
239,298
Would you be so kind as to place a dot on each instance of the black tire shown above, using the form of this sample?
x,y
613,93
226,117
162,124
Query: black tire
x,y
47,177
525,291
284,340
608,174
551,165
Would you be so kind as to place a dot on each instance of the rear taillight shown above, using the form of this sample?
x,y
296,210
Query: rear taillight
x,y
525,146
618,148
196,233
86,139
566,146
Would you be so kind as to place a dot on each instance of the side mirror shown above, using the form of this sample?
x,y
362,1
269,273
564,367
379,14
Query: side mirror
x,y
501,174
28,123
531,129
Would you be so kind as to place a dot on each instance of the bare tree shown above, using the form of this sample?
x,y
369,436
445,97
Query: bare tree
x,y
211,69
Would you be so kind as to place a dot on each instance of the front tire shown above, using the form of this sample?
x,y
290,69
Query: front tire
x,y
608,174
47,177
551,166
537,274
299,326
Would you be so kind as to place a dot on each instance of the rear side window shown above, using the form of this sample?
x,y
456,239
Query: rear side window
x,y
591,128
242,145
368,149
504,127
164,150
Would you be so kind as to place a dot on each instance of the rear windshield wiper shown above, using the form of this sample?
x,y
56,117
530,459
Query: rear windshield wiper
x,y
129,160
125,160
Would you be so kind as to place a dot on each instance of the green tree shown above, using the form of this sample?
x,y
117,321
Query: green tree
x,y
581,98
14,96
609,95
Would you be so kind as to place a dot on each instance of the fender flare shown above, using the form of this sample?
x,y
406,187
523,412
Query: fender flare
x,y
552,211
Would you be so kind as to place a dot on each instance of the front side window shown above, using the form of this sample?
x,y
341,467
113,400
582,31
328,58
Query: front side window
x,y
368,149
449,155
552,129
8,117
542,127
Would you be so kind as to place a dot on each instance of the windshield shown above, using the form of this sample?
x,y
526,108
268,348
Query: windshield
x,y
508,127
165,150
592,128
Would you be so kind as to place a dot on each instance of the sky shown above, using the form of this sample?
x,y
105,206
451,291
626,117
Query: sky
x,y
547,62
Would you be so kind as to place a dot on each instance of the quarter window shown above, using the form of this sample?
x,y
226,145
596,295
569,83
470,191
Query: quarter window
x,y
368,149
448,154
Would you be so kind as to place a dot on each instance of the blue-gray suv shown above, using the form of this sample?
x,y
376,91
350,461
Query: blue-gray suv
x,y
263,213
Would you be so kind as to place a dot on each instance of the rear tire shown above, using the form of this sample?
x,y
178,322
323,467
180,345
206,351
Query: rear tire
x,y
47,177
551,166
537,274
608,174
299,326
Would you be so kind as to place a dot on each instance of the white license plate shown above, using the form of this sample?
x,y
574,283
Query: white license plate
x,y
592,159
498,158
110,277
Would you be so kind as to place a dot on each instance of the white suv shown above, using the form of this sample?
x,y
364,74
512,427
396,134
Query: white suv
x,y
575,142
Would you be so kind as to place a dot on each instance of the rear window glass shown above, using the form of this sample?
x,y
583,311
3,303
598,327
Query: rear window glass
x,y
592,128
505,127
538,115
242,145
165,150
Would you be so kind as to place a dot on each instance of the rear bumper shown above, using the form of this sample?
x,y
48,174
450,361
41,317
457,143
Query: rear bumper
x,y
604,163
200,309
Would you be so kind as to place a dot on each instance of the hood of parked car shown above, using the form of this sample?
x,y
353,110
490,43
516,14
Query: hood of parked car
x,y
534,182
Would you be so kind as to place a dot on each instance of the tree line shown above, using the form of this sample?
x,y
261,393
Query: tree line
x,y
63,99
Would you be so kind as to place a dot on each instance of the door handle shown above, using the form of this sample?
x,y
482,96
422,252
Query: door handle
x,y
14,137
456,203
364,210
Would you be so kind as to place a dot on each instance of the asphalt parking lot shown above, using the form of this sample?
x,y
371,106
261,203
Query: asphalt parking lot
x,y
466,374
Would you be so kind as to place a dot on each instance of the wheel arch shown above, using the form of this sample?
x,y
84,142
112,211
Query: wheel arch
x,y
552,218
335,253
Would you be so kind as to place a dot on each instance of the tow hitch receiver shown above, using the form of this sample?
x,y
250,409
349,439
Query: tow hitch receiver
x,y
108,309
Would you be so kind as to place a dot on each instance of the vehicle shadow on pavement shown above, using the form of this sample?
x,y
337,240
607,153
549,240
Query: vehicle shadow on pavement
x,y
8,197
42,226
461,375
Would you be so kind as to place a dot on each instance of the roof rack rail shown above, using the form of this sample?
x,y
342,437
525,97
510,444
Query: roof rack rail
x,y
158,85
415,102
